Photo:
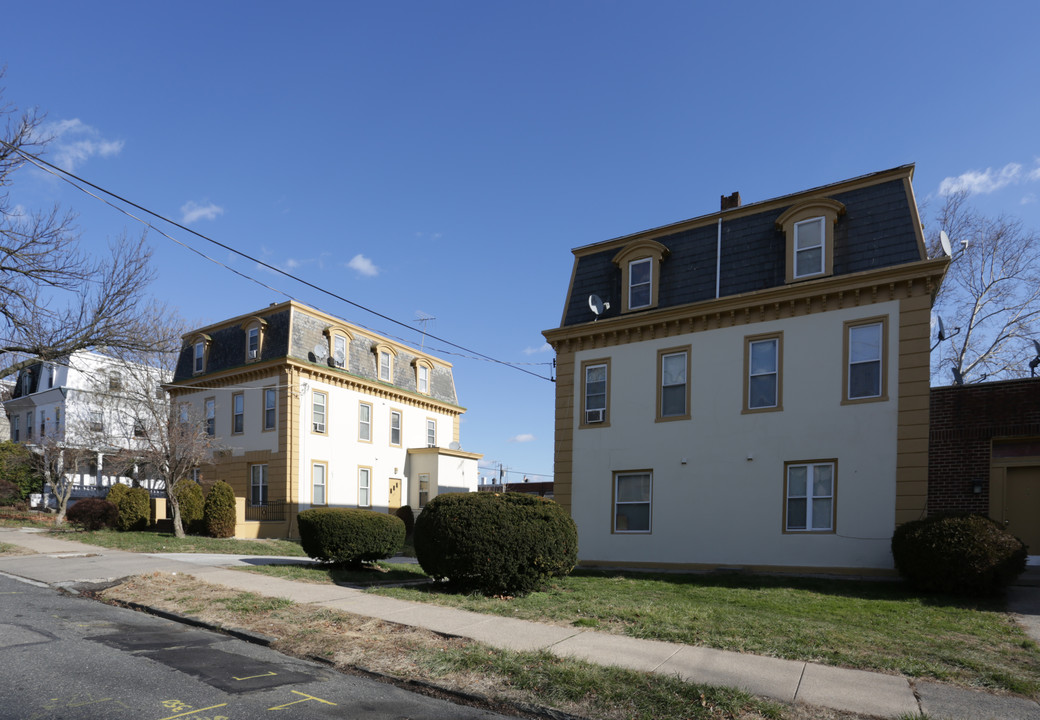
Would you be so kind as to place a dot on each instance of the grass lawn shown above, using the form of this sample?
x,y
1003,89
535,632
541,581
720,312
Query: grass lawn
x,y
155,542
878,626
381,573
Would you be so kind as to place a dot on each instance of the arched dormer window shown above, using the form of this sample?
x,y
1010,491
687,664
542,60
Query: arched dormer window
x,y
254,329
809,228
199,344
339,339
385,355
640,264
423,375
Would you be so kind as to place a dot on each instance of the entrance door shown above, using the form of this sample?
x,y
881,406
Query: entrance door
x,y
1022,505
395,494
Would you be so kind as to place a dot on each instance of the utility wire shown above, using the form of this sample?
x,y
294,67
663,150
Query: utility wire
x,y
65,175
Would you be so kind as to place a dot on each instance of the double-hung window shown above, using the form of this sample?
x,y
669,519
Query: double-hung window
x,y
15,431
809,492
364,490
809,247
632,498
431,432
339,350
864,353
318,472
253,343
762,369
395,427
595,378
210,413
319,408
386,366
673,399
200,357
238,413
29,425
640,278
97,421
270,408
365,422
257,485
422,381
424,489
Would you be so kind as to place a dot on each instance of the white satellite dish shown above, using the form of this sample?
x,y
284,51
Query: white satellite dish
x,y
597,306
454,446
941,335
944,240
340,358
321,352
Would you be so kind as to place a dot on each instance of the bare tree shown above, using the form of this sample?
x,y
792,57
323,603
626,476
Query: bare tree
x,y
169,441
59,464
989,302
54,298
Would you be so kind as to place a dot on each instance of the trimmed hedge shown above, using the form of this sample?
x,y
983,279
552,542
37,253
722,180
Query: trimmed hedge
x,y
408,517
218,511
957,554
134,505
93,514
191,501
496,543
350,536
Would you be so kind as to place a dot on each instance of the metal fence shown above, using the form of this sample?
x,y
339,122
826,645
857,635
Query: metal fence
x,y
268,512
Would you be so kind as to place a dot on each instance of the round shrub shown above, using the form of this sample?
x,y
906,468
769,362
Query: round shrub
x,y
134,506
93,514
957,554
349,536
218,512
408,517
497,543
191,501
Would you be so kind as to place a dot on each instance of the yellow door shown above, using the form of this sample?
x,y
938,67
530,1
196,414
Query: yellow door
x,y
395,494
1022,505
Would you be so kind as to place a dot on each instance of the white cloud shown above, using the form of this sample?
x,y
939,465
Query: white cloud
x,y
543,348
73,143
523,438
192,211
1034,174
292,264
982,183
363,265
1027,199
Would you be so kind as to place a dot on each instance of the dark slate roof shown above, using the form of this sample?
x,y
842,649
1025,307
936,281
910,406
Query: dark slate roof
x,y
876,230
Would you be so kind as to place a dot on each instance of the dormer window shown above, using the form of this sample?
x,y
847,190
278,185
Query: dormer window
x,y
254,328
809,227
338,338
200,357
423,373
384,362
200,353
640,264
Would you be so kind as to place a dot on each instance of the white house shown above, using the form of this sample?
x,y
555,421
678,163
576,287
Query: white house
x,y
750,388
71,402
311,411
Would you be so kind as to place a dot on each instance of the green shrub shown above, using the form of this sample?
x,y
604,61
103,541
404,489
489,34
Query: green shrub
x,y
191,501
497,543
349,536
9,494
408,517
16,468
957,554
93,514
134,505
218,512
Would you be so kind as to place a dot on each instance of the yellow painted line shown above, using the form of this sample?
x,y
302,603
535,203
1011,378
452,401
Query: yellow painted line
x,y
195,711
251,677
306,697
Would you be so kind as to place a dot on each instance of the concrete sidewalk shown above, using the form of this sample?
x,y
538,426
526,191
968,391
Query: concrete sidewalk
x,y
64,563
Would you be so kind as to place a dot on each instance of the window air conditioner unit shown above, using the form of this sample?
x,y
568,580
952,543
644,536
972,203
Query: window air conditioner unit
x,y
594,416
252,354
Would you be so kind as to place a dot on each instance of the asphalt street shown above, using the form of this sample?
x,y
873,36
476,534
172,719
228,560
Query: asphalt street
x,y
73,658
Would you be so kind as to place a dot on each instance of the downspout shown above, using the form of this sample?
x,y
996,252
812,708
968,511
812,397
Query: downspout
x,y
718,261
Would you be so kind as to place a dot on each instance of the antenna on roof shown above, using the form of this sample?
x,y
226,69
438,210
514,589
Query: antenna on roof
x,y
320,352
424,319
944,240
597,306
1035,361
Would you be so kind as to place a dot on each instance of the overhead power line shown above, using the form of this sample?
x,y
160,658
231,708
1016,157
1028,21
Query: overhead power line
x,y
68,177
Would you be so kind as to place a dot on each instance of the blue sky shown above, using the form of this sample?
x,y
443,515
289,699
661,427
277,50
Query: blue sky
x,y
444,158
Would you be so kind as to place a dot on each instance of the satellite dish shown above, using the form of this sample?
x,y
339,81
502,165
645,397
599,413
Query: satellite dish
x,y
321,352
944,240
340,358
597,306
941,335
454,446
958,379
1037,346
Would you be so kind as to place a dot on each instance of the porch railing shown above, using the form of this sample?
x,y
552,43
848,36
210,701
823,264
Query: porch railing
x,y
268,512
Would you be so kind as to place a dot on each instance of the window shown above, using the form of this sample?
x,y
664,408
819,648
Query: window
x,y
318,473
386,368
364,487
762,355
809,492
809,247
673,399
200,357
639,273
138,428
365,422
253,343
595,392
210,414
257,485
29,425
51,373
339,350
96,421
15,430
424,489
632,502
26,383
196,475
270,408
57,420
43,424
115,381
238,413
864,353
431,432
422,376
338,338
395,427
319,402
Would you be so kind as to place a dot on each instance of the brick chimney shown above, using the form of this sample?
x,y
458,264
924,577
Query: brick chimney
x,y
728,203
